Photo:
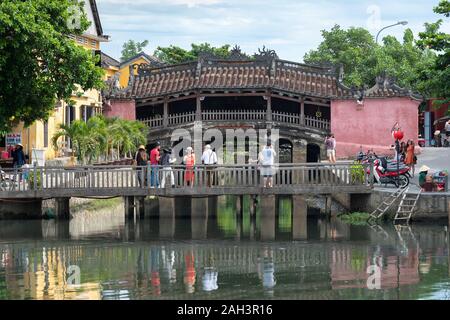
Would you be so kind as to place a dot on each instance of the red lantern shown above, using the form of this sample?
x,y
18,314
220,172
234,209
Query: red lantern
x,y
398,135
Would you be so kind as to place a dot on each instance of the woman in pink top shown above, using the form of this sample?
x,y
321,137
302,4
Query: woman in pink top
x,y
189,161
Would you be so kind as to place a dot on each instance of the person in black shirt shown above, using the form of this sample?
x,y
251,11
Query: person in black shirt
x,y
141,160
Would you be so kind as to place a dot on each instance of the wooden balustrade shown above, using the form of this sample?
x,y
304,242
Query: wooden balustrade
x,y
239,115
221,176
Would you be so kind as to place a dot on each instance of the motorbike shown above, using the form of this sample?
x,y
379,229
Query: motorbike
x,y
386,171
5,181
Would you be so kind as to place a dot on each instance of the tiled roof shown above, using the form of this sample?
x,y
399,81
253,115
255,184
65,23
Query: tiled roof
x,y
260,74
151,59
108,61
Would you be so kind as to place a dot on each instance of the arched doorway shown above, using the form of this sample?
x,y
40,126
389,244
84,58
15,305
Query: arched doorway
x,y
312,153
285,150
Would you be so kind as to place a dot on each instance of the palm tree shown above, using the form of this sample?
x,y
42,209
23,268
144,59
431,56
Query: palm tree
x,y
71,132
100,136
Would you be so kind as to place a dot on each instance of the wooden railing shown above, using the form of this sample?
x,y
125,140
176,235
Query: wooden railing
x,y
181,118
91,178
153,122
313,122
239,115
282,117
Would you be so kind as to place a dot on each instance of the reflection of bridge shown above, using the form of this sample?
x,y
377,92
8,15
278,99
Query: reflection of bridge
x,y
305,271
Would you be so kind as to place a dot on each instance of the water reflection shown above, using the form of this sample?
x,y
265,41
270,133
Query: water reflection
x,y
224,256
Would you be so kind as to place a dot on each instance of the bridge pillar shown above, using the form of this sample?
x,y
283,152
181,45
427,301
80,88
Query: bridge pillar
x,y
140,207
448,210
62,208
199,208
129,207
253,203
166,208
299,218
328,204
151,208
167,227
129,230
199,228
268,218
239,205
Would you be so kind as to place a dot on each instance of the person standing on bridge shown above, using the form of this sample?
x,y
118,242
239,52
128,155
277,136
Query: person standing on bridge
x,y
411,158
268,160
189,162
330,143
155,157
167,172
209,159
141,160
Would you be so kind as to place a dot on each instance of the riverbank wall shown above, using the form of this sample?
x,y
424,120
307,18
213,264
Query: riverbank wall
x,y
431,206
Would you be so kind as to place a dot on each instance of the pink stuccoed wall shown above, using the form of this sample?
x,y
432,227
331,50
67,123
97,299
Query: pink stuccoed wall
x,y
370,125
125,109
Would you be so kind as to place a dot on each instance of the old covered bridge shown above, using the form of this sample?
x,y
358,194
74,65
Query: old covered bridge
x,y
304,102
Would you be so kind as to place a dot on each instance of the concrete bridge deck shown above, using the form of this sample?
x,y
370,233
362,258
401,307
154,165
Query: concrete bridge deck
x,y
109,181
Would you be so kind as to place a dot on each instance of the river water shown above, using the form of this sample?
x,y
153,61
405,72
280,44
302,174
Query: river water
x,y
100,256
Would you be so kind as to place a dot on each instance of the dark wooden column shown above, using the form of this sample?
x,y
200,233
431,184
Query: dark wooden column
x,y
302,111
166,112
198,111
268,98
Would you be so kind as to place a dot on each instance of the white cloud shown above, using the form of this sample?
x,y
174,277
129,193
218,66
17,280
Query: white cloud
x,y
290,27
188,3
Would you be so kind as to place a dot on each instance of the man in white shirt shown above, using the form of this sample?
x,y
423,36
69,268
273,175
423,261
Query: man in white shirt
x,y
209,158
268,160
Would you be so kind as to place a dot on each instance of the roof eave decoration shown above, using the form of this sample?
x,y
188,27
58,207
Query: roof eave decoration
x,y
385,87
263,71
113,90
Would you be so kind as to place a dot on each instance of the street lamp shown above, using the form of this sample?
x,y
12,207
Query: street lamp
x,y
403,23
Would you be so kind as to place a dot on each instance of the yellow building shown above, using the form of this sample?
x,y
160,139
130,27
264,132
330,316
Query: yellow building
x,y
141,58
36,139
110,65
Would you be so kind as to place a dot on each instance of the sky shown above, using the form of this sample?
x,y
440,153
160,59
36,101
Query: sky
x,y
291,28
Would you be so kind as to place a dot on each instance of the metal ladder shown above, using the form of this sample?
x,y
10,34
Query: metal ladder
x,y
386,204
407,207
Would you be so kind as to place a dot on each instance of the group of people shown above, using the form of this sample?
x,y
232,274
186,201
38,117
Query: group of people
x,y
427,182
164,161
442,139
407,154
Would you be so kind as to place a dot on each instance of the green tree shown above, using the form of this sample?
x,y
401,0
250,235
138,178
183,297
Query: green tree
x,y
39,63
174,54
132,48
353,48
363,60
437,82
